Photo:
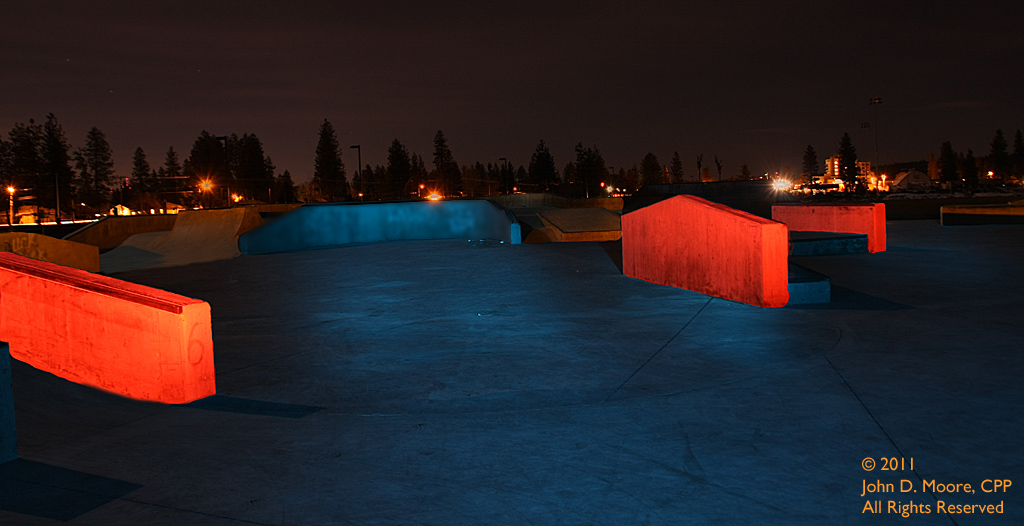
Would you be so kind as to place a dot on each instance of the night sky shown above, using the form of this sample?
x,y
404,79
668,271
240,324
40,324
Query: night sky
x,y
751,82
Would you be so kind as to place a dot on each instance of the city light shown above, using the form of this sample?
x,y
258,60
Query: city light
x,y
434,196
781,184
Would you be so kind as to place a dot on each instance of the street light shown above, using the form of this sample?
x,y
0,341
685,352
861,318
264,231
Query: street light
x,y
504,171
876,101
206,186
10,213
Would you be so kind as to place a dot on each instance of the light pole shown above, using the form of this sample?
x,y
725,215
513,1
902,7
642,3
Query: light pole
x,y
504,173
10,213
876,102
359,169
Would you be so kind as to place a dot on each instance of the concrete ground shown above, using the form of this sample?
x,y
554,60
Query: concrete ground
x,y
446,382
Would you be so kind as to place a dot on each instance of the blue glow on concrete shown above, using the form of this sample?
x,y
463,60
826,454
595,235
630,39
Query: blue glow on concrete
x,y
333,224
8,437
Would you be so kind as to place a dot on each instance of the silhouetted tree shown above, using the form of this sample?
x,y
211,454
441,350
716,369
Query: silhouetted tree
x,y
95,170
998,158
328,170
718,165
542,171
700,163
399,171
141,171
948,164
810,165
419,174
446,170
650,170
969,170
25,158
590,169
744,172
676,168
253,169
170,179
569,173
285,190
207,162
1018,155
849,172
518,177
56,165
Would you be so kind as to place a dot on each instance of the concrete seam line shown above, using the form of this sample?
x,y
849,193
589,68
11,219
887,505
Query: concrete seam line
x,y
880,428
662,348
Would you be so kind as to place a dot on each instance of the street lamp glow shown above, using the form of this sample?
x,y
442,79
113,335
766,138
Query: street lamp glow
x,y
10,190
781,184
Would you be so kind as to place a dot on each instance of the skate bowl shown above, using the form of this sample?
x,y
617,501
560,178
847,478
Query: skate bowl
x,y
46,248
197,236
854,219
691,243
334,224
131,340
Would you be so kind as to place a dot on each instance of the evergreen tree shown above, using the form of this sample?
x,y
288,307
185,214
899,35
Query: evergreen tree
x,y
590,169
542,171
999,159
206,163
969,170
57,165
169,178
718,165
6,162
26,162
700,163
810,166
252,167
676,168
650,170
399,171
948,164
285,190
328,170
518,177
419,174
569,173
849,172
95,170
1018,155
446,170
140,171
744,172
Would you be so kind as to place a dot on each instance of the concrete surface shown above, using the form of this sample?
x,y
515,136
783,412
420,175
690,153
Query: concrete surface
x,y
121,337
53,250
334,224
807,286
111,231
450,383
8,433
805,243
198,236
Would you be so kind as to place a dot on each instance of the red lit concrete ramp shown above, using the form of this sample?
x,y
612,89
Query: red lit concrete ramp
x,y
198,236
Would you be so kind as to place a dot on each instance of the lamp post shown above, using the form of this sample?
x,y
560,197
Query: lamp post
x,y
359,169
876,102
10,212
504,172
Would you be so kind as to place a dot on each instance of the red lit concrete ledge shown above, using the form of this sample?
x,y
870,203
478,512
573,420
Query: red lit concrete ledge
x,y
854,219
692,243
128,339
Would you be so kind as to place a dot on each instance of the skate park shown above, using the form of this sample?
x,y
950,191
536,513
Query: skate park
x,y
463,377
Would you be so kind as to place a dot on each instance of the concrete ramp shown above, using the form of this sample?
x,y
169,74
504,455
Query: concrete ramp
x,y
198,236
46,248
582,224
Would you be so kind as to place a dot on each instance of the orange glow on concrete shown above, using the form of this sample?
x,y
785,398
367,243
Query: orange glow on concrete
x,y
128,339
854,219
692,243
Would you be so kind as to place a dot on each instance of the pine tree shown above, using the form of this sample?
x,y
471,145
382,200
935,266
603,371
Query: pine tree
x,y
26,162
676,168
399,171
57,165
253,168
140,171
948,164
849,172
1018,155
650,170
446,170
969,169
810,166
206,163
285,190
95,170
542,171
744,172
328,169
169,178
998,158
590,169
419,174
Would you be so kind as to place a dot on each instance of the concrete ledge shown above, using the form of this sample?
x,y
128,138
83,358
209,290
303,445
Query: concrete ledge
x,y
692,243
582,224
826,243
46,248
333,224
855,219
8,435
127,339
807,286
539,200
1011,214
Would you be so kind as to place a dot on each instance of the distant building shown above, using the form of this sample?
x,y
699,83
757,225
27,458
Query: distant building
x,y
832,168
914,180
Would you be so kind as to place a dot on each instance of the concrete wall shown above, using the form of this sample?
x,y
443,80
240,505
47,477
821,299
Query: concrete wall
x,y
855,219
341,223
555,201
46,248
111,231
132,340
8,436
692,243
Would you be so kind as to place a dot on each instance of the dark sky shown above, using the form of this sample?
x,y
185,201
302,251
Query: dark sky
x,y
751,82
